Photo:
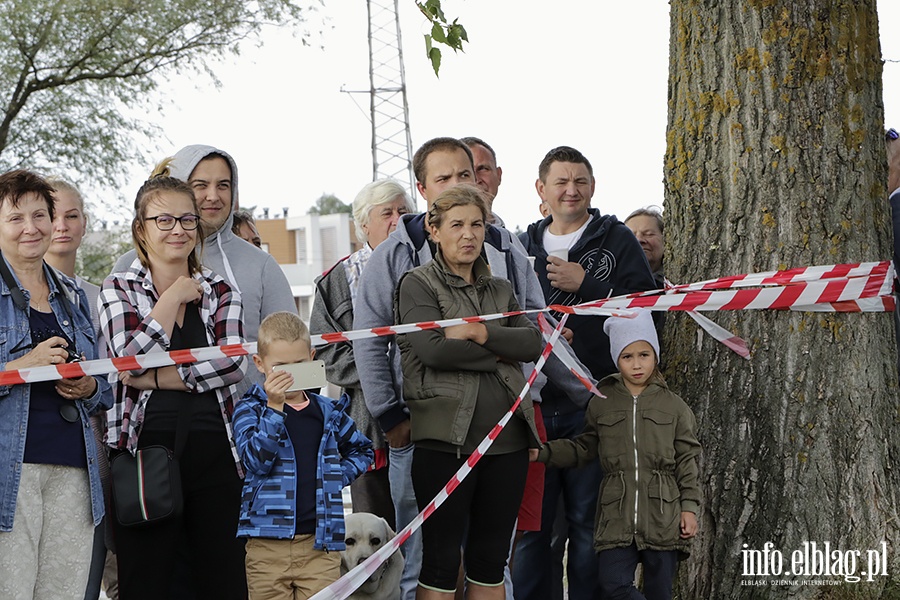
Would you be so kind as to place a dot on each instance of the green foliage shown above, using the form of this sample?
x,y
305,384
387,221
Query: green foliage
x,y
449,33
329,204
99,252
72,72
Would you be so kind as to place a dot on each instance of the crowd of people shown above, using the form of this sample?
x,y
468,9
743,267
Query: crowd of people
x,y
262,462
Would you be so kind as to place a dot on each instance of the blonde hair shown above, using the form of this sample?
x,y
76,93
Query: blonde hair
x,y
63,185
280,326
161,181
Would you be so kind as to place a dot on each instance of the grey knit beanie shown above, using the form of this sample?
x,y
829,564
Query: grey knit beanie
x,y
623,331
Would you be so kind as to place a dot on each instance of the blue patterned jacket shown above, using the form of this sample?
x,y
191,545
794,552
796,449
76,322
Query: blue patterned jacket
x,y
268,502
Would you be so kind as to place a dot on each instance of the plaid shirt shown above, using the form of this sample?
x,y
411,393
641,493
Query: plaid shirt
x,y
127,329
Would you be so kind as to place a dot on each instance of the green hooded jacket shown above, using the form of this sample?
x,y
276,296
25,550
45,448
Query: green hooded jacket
x,y
648,451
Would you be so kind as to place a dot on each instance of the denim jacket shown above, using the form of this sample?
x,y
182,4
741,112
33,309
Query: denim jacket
x,y
15,333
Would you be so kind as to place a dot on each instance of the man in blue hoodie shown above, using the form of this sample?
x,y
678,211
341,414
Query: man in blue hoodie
x,y
439,164
580,255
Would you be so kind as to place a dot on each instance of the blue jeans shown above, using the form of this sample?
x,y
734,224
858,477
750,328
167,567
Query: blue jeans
x,y
617,567
532,571
406,509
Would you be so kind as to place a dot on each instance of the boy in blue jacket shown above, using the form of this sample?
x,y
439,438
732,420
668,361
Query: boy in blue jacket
x,y
299,450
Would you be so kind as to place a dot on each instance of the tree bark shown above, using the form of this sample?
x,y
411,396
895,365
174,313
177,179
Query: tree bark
x,y
775,158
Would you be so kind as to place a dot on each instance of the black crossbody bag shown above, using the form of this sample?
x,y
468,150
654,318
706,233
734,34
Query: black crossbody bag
x,y
146,487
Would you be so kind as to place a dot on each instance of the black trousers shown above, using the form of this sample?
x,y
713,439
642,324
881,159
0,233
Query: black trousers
x,y
486,504
148,556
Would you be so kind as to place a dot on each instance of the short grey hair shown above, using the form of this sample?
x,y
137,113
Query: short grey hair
x,y
649,211
380,191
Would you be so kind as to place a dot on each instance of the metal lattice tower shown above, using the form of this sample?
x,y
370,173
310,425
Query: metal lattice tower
x,y
391,140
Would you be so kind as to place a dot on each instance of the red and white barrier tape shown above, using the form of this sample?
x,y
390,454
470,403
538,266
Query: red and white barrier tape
x,y
734,343
833,288
864,287
863,290
349,583
567,359
151,360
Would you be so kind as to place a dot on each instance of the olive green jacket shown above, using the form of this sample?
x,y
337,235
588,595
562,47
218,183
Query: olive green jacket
x,y
648,451
441,376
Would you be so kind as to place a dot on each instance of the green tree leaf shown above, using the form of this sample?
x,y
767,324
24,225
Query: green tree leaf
x,y
435,55
73,73
437,32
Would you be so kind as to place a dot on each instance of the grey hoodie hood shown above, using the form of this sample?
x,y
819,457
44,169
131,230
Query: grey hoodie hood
x,y
183,164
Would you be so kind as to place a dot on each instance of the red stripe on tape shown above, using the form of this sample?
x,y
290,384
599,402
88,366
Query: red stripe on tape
x,y
873,287
334,337
840,270
694,300
182,356
741,299
473,458
127,363
233,350
11,377
382,330
832,291
429,509
70,370
452,485
847,306
788,296
428,325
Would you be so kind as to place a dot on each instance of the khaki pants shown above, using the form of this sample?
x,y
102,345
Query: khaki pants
x,y
289,569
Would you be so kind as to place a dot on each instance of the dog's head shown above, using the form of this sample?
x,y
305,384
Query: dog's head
x,y
365,534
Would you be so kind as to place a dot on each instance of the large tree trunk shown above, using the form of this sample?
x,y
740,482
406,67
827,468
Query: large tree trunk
x,y
775,158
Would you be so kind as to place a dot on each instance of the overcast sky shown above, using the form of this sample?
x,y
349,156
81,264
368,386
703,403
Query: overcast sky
x,y
591,75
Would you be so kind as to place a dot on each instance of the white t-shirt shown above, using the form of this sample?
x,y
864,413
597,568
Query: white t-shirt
x,y
558,243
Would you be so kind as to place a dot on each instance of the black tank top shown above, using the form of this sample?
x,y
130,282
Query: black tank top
x,y
162,407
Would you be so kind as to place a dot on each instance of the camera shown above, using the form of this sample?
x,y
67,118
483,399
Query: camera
x,y
73,355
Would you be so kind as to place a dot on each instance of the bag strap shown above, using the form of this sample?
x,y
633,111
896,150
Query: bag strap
x,y
15,291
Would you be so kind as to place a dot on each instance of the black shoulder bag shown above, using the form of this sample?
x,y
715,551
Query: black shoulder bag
x,y
146,487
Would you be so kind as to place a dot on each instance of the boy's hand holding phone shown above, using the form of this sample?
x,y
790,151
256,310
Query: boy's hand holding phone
x,y
277,383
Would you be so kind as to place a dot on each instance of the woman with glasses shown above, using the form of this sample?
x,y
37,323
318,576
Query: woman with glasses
x,y
166,301
50,492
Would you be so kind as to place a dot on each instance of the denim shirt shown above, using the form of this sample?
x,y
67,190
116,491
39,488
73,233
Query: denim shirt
x,y
15,333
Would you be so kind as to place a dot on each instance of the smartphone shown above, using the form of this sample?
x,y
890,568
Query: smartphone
x,y
308,375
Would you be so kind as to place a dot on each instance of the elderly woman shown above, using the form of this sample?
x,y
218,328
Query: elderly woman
x,y
50,492
376,211
166,301
458,382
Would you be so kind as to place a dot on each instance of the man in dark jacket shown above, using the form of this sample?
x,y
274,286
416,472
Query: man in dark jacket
x,y
580,255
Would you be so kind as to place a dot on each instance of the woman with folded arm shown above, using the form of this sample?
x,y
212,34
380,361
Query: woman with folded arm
x,y
458,383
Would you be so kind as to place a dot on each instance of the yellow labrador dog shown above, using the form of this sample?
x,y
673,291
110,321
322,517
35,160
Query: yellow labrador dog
x,y
366,533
